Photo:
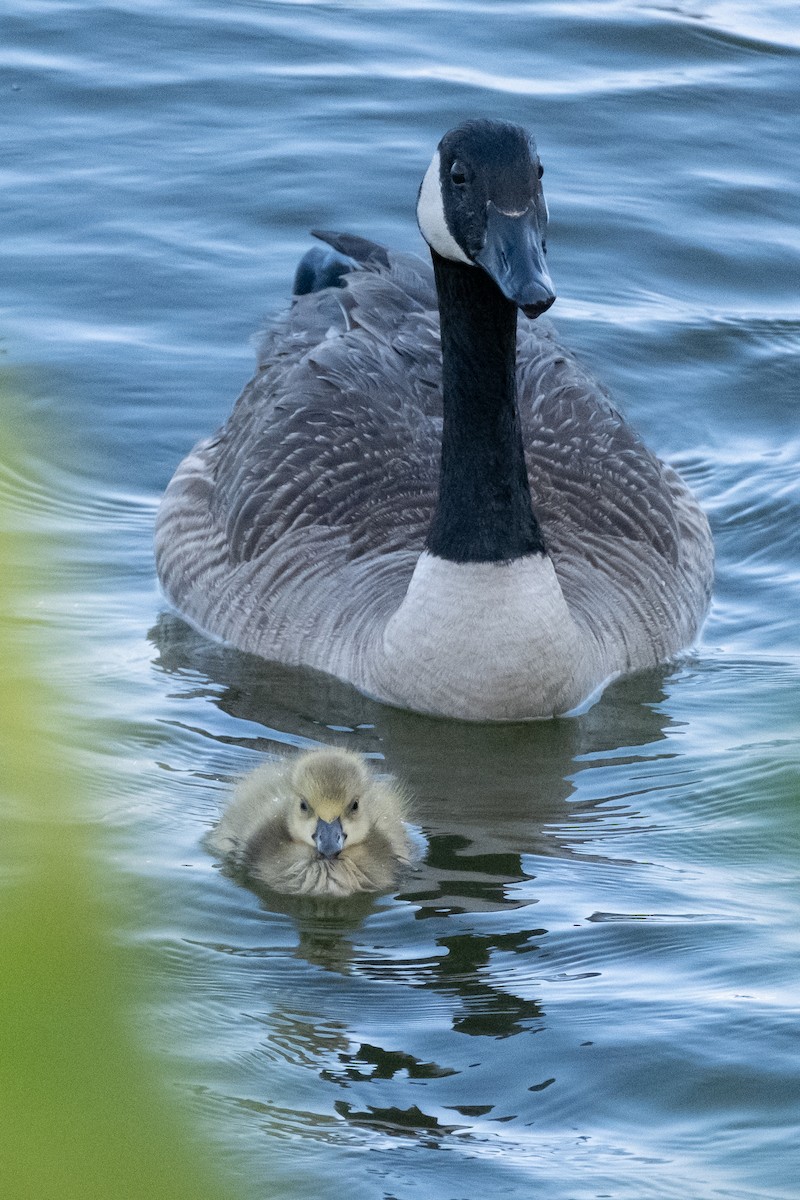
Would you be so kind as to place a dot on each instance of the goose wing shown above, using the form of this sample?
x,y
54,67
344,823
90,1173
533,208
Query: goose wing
x,y
590,471
340,428
307,510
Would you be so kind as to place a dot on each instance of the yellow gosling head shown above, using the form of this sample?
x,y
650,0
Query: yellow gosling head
x,y
332,793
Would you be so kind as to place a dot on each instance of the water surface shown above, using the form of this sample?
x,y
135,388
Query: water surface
x,y
589,988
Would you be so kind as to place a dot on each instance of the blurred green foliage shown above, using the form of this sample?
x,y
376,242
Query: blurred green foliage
x,y
82,1112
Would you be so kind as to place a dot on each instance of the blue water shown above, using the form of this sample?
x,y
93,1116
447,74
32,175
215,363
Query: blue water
x,y
590,987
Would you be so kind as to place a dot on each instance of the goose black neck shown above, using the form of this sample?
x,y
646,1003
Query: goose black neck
x,y
484,511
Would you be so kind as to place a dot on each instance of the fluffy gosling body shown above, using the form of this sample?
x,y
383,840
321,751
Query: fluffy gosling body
x,y
320,824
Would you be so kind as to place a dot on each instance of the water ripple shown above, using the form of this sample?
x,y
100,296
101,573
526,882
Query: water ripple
x,y
589,986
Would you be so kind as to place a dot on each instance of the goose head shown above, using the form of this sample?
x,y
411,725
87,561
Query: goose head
x,y
481,204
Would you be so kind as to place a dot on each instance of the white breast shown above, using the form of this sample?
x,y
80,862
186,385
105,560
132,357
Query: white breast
x,y
486,641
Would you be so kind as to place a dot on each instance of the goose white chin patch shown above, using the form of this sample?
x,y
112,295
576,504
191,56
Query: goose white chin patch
x,y
431,218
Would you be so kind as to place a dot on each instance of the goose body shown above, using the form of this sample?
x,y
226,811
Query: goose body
x,y
320,825
446,512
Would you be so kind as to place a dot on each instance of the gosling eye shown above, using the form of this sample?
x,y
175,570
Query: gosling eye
x,y
540,170
304,806
354,806
458,173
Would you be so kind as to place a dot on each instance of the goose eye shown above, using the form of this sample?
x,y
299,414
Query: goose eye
x,y
303,806
354,806
458,173
540,170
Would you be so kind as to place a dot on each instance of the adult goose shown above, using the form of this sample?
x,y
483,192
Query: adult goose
x,y
366,510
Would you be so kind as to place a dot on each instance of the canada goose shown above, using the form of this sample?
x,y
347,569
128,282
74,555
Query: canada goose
x,y
366,509
320,825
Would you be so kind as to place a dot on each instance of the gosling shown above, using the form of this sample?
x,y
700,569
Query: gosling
x,y
317,825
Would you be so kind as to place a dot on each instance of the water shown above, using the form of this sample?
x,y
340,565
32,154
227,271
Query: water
x,y
589,989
